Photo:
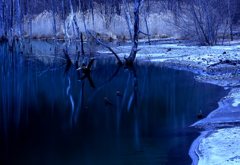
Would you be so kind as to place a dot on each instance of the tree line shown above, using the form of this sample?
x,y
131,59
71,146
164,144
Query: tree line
x,y
207,21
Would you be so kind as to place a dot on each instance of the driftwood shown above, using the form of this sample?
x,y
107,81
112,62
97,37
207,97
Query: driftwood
x,y
229,62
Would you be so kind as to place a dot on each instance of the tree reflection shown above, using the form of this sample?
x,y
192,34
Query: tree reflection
x,y
134,97
105,83
12,86
86,71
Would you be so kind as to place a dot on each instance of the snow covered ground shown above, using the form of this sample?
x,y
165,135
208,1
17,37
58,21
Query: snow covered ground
x,y
220,147
197,59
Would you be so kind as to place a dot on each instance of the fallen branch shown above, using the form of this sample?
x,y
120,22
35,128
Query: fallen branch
x,y
109,48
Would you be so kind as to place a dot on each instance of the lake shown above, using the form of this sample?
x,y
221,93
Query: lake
x,y
53,114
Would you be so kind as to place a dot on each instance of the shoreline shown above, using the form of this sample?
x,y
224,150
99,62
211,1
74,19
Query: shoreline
x,y
222,122
221,125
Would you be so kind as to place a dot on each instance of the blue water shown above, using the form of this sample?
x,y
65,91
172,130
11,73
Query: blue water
x,y
49,116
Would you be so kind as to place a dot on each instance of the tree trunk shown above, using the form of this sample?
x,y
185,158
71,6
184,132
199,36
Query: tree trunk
x,y
84,23
29,17
54,21
64,21
128,19
145,20
18,17
80,38
2,19
71,19
134,50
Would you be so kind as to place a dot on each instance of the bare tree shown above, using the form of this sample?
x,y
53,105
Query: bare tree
x,y
134,49
54,21
2,7
145,20
206,20
128,19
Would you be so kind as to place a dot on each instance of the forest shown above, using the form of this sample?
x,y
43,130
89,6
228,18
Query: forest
x,y
208,22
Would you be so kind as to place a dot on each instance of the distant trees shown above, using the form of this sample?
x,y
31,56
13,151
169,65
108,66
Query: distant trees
x,y
2,17
207,21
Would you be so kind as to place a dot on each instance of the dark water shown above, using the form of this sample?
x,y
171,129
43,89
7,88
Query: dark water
x,y
50,117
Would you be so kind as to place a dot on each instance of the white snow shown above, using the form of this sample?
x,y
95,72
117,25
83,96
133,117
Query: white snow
x,y
220,148
236,102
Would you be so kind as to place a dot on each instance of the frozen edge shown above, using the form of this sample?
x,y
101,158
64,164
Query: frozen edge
x,y
193,151
217,123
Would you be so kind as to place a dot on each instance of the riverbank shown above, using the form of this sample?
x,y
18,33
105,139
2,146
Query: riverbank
x,y
219,139
218,143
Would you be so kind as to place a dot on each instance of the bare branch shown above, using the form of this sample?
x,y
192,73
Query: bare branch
x,y
109,48
143,33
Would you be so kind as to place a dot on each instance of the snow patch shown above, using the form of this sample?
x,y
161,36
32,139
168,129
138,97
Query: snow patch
x,y
158,60
236,102
221,148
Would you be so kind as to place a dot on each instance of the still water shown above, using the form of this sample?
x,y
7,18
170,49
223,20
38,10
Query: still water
x,y
51,114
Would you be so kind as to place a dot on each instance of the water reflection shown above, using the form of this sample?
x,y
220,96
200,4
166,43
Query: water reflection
x,y
50,115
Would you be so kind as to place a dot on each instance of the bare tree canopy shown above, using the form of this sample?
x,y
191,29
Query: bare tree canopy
x,y
207,21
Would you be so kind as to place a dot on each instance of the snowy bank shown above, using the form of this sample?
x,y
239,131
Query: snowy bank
x,y
220,147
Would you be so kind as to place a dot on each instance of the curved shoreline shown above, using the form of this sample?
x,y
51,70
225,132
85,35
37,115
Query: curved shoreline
x,y
224,119
197,59
202,60
194,148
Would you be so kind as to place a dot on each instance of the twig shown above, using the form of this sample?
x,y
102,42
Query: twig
x,y
143,33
